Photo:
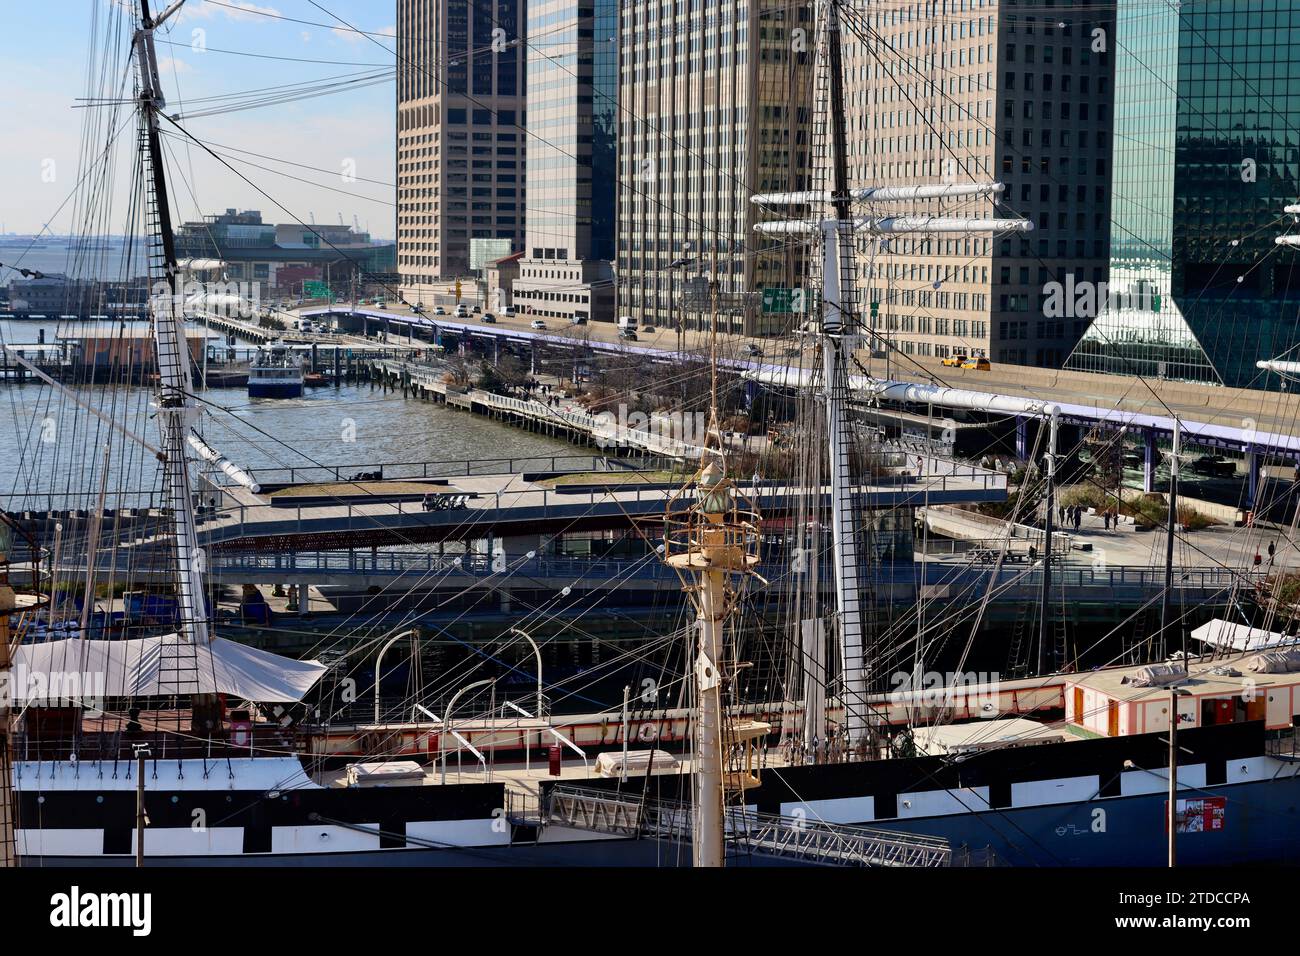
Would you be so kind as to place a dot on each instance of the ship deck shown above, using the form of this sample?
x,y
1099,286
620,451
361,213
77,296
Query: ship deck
x,y
1201,681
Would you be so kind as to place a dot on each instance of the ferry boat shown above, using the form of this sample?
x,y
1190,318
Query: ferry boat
x,y
276,372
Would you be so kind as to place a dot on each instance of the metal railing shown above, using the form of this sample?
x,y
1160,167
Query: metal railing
x,y
232,521
457,468
801,839
795,838
605,571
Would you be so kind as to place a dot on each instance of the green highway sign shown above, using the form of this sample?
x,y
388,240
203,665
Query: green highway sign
x,y
788,301
315,290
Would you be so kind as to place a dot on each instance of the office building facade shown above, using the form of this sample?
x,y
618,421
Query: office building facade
x,y
968,91
1207,121
461,145
714,106
566,270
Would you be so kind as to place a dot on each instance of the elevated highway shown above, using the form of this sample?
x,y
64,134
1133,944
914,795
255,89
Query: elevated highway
x,y
1249,421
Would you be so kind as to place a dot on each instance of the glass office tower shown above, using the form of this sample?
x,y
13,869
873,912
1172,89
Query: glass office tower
x,y
1207,153
566,270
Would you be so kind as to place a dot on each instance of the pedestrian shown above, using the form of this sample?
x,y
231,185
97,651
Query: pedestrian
x,y
920,467
1272,550
1078,518
1105,520
1060,515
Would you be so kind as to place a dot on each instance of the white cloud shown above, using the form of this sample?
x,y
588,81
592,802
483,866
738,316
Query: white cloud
x,y
169,64
230,9
352,36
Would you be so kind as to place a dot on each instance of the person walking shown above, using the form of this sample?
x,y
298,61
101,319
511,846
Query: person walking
x,y
1078,518
1272,550
1060,515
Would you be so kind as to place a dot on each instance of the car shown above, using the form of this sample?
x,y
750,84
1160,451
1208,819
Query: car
x,y
1214,466
752,349
489,318
439,310
460,312
648,329
977,362
953,361
629,334
579,320
476,310
537,324
508,311
418,308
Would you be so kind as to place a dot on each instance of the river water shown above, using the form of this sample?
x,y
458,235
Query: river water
x,y
50,446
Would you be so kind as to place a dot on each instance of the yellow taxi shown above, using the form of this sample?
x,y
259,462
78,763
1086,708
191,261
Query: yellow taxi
x,y
954,361
977,362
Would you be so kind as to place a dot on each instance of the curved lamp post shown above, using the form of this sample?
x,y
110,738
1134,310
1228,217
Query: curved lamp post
x,y
446,722
379,660
537,653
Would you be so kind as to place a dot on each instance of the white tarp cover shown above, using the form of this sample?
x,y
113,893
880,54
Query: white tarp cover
x,y
1239,637
610,763
1274,662
1156,675
133,668
379,772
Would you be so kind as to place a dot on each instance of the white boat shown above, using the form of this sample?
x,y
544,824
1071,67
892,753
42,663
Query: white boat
x,y
276,372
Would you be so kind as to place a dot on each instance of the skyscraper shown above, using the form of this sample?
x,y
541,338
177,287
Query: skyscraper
x,y
1207,132
460,135
976,91
714,100
566,270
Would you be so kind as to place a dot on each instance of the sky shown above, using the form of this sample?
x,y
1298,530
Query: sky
x,y
348,135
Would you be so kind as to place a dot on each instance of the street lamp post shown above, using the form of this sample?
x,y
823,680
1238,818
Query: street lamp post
x,y
537,653
379,660
446,723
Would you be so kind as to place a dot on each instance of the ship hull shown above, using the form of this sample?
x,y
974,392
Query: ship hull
x,y
275,389
1259,826
1086,803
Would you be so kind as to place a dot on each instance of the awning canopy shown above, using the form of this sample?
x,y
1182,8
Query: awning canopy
x,y
76,670
1239,637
